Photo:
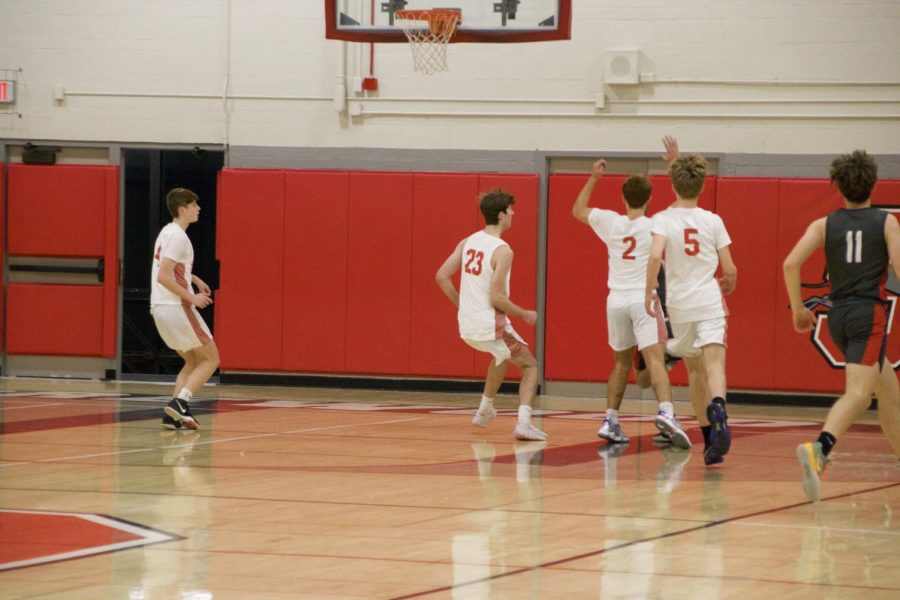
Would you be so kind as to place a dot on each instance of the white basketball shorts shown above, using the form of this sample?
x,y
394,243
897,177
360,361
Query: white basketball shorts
x,y
689,338
511,344
630,325
180,326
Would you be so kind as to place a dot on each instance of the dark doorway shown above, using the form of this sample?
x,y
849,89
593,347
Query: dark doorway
x,y
149,175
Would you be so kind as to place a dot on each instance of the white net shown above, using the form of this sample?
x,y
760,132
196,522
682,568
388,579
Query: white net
x,y
429,33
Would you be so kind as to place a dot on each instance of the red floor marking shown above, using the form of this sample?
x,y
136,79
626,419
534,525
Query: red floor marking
x,y
32,535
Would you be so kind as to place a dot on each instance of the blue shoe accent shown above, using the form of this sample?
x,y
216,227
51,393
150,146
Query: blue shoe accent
x,y
719,434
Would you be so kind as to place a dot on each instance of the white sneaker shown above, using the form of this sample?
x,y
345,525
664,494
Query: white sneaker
x,y
529,433
612,433
670,425
483,417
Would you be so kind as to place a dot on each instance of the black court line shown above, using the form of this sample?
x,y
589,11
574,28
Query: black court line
x,y
634,543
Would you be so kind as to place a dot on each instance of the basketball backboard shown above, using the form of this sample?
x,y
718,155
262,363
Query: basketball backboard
x,y
483,21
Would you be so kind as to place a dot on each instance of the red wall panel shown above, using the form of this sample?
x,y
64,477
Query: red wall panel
x,y
316,214
379,262
748,207
445,210
522,238
54,319
111,261
577,270
250,248
887,193
57,210
2,254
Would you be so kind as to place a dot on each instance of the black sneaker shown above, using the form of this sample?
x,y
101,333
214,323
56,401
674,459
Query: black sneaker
x,y
711,457
179,410
719,434
170,423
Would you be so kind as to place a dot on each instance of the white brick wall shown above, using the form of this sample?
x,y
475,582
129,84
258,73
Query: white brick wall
x,y
155,70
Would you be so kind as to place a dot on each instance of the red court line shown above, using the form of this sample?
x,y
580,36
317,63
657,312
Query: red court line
x,y
636,542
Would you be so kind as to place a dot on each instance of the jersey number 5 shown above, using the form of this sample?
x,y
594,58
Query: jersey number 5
x,y
691,243
632,243
475,257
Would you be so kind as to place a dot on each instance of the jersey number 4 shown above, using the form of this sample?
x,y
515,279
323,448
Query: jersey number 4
x,y
854,246
474,257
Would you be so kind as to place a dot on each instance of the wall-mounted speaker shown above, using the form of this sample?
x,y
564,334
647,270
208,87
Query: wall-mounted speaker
x,y
621,67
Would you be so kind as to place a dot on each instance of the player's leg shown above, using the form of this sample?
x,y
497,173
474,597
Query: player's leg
x,y
189,365
495,374
666,422
610,430
713,356
522,357
207,361
888,393
859,332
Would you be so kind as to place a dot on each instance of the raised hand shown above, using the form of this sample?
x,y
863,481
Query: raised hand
x,y
671,145
598,168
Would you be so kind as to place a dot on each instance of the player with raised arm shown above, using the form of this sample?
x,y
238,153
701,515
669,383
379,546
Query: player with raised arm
x,y
627,237
696,244
483,303
860,242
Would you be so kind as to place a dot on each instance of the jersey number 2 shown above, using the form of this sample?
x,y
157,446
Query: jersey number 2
x,y
629,251
475,257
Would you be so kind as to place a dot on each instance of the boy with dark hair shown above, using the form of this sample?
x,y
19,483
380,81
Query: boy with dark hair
x,y
483,307
174,305
860,242
627,237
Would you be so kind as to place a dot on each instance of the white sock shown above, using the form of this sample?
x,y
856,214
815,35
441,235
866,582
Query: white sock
x,y
524,414
668,408
185,394
486,403
612,415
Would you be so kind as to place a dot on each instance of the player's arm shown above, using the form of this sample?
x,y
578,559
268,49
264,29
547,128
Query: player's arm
x,y
813,238
580,210
502,263
892,238
166,278
728,280
657,247
671,146
444,275
201,285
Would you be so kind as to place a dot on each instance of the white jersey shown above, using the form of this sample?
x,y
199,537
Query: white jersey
x,y
478,319
628,244
693,238
172,242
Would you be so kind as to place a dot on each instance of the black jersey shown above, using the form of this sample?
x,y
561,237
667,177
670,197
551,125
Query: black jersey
x,y
856,253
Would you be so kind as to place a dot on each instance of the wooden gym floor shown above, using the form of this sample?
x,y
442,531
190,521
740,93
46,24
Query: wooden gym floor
x,y
302,493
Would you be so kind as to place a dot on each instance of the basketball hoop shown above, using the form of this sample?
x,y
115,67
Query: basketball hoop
x,y
429,32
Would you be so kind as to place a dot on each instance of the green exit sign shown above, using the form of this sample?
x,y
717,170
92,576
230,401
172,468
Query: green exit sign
x,y
7,91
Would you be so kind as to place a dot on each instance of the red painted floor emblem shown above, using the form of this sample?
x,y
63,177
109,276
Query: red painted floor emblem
x,y
30,538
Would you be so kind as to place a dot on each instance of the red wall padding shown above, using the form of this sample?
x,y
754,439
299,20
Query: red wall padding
x,y
316,218
2,254
887,193
57,211
71,212
54,319
577,269
379,264
748,207
445,210
250,248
